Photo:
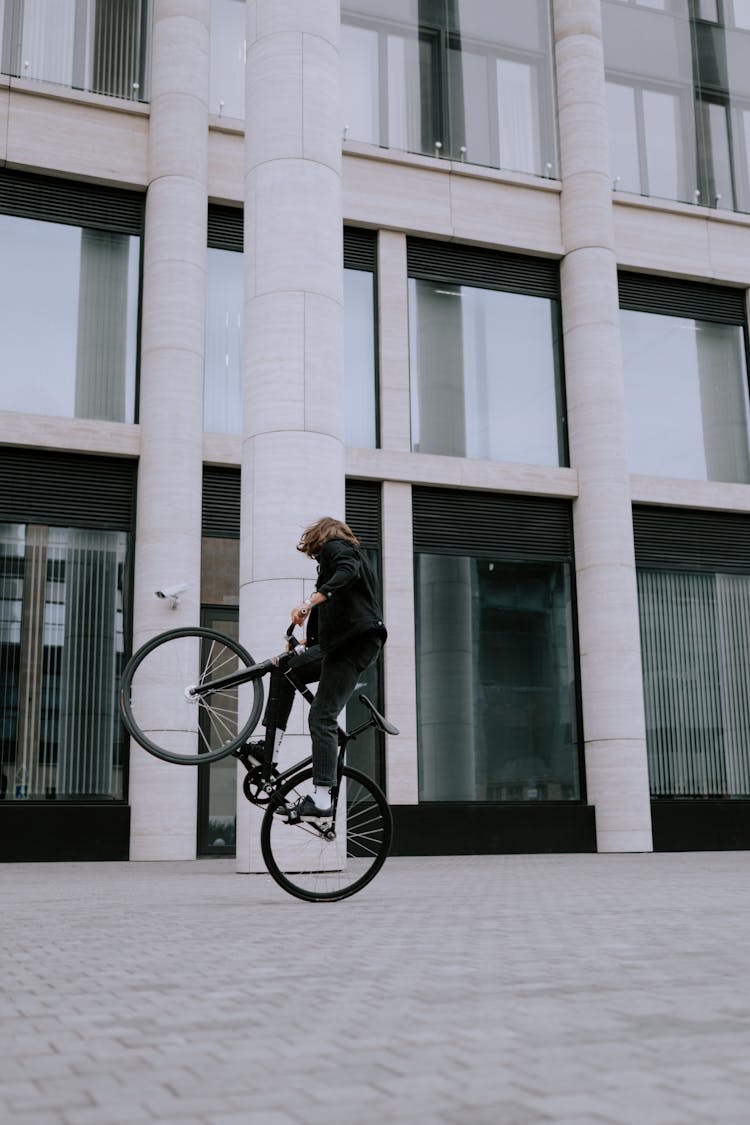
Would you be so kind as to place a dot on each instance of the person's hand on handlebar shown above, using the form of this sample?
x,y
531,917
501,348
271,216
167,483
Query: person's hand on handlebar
x,y
301,612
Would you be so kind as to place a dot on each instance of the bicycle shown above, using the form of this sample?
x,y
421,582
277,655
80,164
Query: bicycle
x,y
198,721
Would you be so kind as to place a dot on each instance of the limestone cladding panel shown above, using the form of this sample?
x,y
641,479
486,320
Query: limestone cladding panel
x,y
611,677
393,342
407,198
274,82
586,219
506,215
179,138
274,397
4,102
683,241
729,248
168,541
45,432
290,479
164,816
612,770
457,472
75,138
225,165
298,235
690,494
665,242
180,42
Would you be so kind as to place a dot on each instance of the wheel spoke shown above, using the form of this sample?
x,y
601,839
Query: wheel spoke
x,y
307,864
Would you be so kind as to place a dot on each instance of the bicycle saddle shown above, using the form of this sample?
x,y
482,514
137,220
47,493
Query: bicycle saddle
x,y
380,720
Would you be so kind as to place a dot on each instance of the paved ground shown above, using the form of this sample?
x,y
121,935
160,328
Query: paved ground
x,y
579,990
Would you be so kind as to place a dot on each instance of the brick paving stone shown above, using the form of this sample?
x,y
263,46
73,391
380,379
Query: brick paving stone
x,y
595,990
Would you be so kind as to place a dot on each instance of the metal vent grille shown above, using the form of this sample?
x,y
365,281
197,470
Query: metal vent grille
x,y
688,539
67,489
491,525
360,249
225,227
363,511
672,297
221,503
68,201
473,265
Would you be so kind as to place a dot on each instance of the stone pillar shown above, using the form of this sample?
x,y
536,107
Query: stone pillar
x,y
168,538
611,677
293,412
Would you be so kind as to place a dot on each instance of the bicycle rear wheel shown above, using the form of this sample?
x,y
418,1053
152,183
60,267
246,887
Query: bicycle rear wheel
x,y
164,720
320,867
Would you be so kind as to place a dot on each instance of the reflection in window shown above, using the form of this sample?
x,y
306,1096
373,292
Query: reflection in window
x,y
451,79
686,398
717,171
484,378
360,414
361,80
496,680
61,656
100,47
222,382
646,153
226,68
68,310
222,375
741,13
696,671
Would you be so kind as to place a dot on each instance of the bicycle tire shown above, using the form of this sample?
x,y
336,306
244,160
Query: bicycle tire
x,y
312,868
159,716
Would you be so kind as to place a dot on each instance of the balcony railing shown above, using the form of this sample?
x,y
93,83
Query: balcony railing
x,y
97,45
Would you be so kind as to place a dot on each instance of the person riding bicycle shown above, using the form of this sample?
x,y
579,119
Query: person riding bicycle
x,y
344,636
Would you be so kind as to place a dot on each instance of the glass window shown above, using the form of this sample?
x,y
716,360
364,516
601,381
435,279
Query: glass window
x,y
496,680
61,656
625,161
741,12
69,310
452,79
222,395
696,671
360,412
686,398
222,376
484,374
361,81
648,55
98,47
226,82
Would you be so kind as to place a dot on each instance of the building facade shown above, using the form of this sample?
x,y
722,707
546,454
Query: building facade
x,y
431,265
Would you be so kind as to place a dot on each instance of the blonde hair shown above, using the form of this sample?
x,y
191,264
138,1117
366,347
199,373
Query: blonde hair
x,y
313,537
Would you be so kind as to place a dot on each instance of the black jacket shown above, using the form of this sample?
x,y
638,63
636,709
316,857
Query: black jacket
x,y
351,606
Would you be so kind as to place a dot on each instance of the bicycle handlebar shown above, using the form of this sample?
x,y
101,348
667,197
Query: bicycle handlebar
x,y
246,675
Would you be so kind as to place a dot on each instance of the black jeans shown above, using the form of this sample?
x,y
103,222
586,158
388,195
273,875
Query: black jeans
x,y
337,674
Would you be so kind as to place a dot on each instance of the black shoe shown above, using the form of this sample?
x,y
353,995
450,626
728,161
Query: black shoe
x,y
304,809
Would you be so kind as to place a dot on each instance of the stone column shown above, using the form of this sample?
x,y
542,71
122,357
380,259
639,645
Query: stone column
x,y
168,537
293,426
611,677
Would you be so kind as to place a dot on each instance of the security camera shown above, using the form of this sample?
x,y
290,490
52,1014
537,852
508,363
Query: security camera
x,y
172,593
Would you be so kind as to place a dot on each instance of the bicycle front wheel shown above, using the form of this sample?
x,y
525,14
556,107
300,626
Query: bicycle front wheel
x,y
178,728
321,866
